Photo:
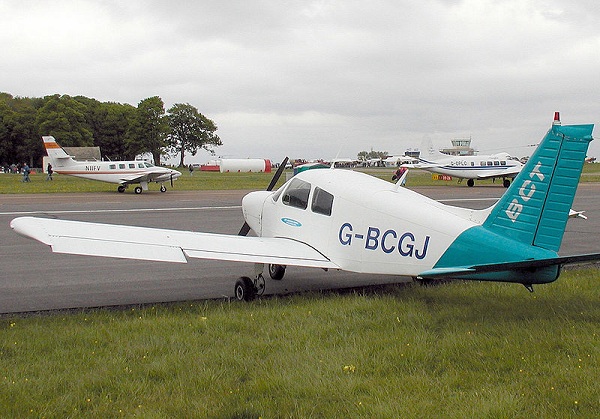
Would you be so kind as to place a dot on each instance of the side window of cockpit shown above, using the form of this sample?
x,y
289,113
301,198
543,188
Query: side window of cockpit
x,y
296,194
322,202
277,193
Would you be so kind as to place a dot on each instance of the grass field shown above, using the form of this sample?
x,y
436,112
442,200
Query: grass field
x,y
11,183
463,349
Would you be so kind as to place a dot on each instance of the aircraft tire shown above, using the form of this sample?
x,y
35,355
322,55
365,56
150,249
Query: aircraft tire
x,y
244,289
121,189
470,183
506,183
276,272
163,188
138,190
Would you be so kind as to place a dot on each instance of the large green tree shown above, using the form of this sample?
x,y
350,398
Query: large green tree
x,y
109,122
190,131
64,118
149,129
6,146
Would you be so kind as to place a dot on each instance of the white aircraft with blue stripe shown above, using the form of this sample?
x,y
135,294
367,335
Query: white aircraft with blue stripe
x,y
341,219
478,167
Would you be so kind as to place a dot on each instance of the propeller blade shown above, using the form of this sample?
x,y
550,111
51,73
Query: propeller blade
x,y
244,230
245,227
171,180
278,173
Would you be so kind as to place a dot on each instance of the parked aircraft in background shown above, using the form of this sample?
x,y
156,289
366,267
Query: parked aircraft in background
x,y
342,219
124,173
491,166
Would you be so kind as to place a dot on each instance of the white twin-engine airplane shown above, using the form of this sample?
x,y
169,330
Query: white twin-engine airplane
x,y
491,166
340,219
122,172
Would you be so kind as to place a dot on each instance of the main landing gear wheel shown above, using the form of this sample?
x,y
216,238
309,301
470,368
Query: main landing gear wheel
x,y
276,272
246,289
470,183
163,188
506,183
138,190
121,189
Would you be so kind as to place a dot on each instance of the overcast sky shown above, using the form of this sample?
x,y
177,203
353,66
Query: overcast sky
x,y
321,78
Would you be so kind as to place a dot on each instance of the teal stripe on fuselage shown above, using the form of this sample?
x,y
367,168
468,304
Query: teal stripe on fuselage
x,y
479,246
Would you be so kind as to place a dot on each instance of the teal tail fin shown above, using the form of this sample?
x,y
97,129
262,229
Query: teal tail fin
x,y
535,208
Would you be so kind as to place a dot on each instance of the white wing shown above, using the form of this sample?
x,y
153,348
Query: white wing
x,y
513,170
144,177
128,242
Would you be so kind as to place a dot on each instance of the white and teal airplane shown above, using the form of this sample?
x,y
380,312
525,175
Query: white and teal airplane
x,y
124,173
340,219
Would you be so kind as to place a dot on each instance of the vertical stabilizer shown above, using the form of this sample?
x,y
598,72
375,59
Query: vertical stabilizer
x,y
58,157
535,208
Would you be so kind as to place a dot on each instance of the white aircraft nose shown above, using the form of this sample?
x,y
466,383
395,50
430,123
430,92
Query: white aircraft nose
x,y
175,173
252,206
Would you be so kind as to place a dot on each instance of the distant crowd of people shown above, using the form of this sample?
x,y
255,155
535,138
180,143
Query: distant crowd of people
x,y
25,170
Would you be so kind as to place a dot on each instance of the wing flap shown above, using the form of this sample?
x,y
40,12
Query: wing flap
x,y
129,242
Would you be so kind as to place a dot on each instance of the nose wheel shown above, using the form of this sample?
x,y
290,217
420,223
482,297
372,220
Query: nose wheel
x,y
276,272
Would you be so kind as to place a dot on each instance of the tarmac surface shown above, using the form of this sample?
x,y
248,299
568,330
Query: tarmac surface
x,y
32,278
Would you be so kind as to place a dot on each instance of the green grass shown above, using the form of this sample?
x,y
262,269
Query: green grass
x,y
463,349
11,183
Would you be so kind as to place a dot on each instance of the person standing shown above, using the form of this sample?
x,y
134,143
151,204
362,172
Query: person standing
x,y
49,172
26,171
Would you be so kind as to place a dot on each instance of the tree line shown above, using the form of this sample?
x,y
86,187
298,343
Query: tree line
x,y
122,131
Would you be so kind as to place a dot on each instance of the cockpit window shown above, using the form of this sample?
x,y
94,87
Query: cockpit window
x,y
278,193
296,194
148,164
322,202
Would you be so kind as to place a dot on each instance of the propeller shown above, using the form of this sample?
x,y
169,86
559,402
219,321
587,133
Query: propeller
x,y
171,179
245,227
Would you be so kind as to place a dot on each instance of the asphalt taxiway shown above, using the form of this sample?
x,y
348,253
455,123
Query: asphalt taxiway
x,y
32,278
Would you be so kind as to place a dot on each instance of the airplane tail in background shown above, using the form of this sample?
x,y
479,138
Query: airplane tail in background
x,y
535,208
429,153
58,156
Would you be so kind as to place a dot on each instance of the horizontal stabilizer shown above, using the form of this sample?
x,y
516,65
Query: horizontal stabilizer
x,y
458,272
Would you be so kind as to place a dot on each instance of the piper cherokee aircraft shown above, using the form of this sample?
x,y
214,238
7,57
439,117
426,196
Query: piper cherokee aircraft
x,y
489,166
122,172
341,219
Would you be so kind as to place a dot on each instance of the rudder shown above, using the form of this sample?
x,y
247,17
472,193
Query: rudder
x,y
535,208
57,155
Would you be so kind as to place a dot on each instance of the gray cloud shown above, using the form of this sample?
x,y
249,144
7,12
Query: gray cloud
x,y
311,78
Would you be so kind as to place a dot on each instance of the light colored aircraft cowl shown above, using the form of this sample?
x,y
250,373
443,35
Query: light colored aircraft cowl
x,y
252,207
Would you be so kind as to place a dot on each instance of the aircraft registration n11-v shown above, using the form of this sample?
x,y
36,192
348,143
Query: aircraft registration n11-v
x,y
124,173
341,219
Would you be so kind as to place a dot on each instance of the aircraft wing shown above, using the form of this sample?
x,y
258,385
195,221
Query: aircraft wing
x,y
143,177
129,242
424,166
459,272
511,171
